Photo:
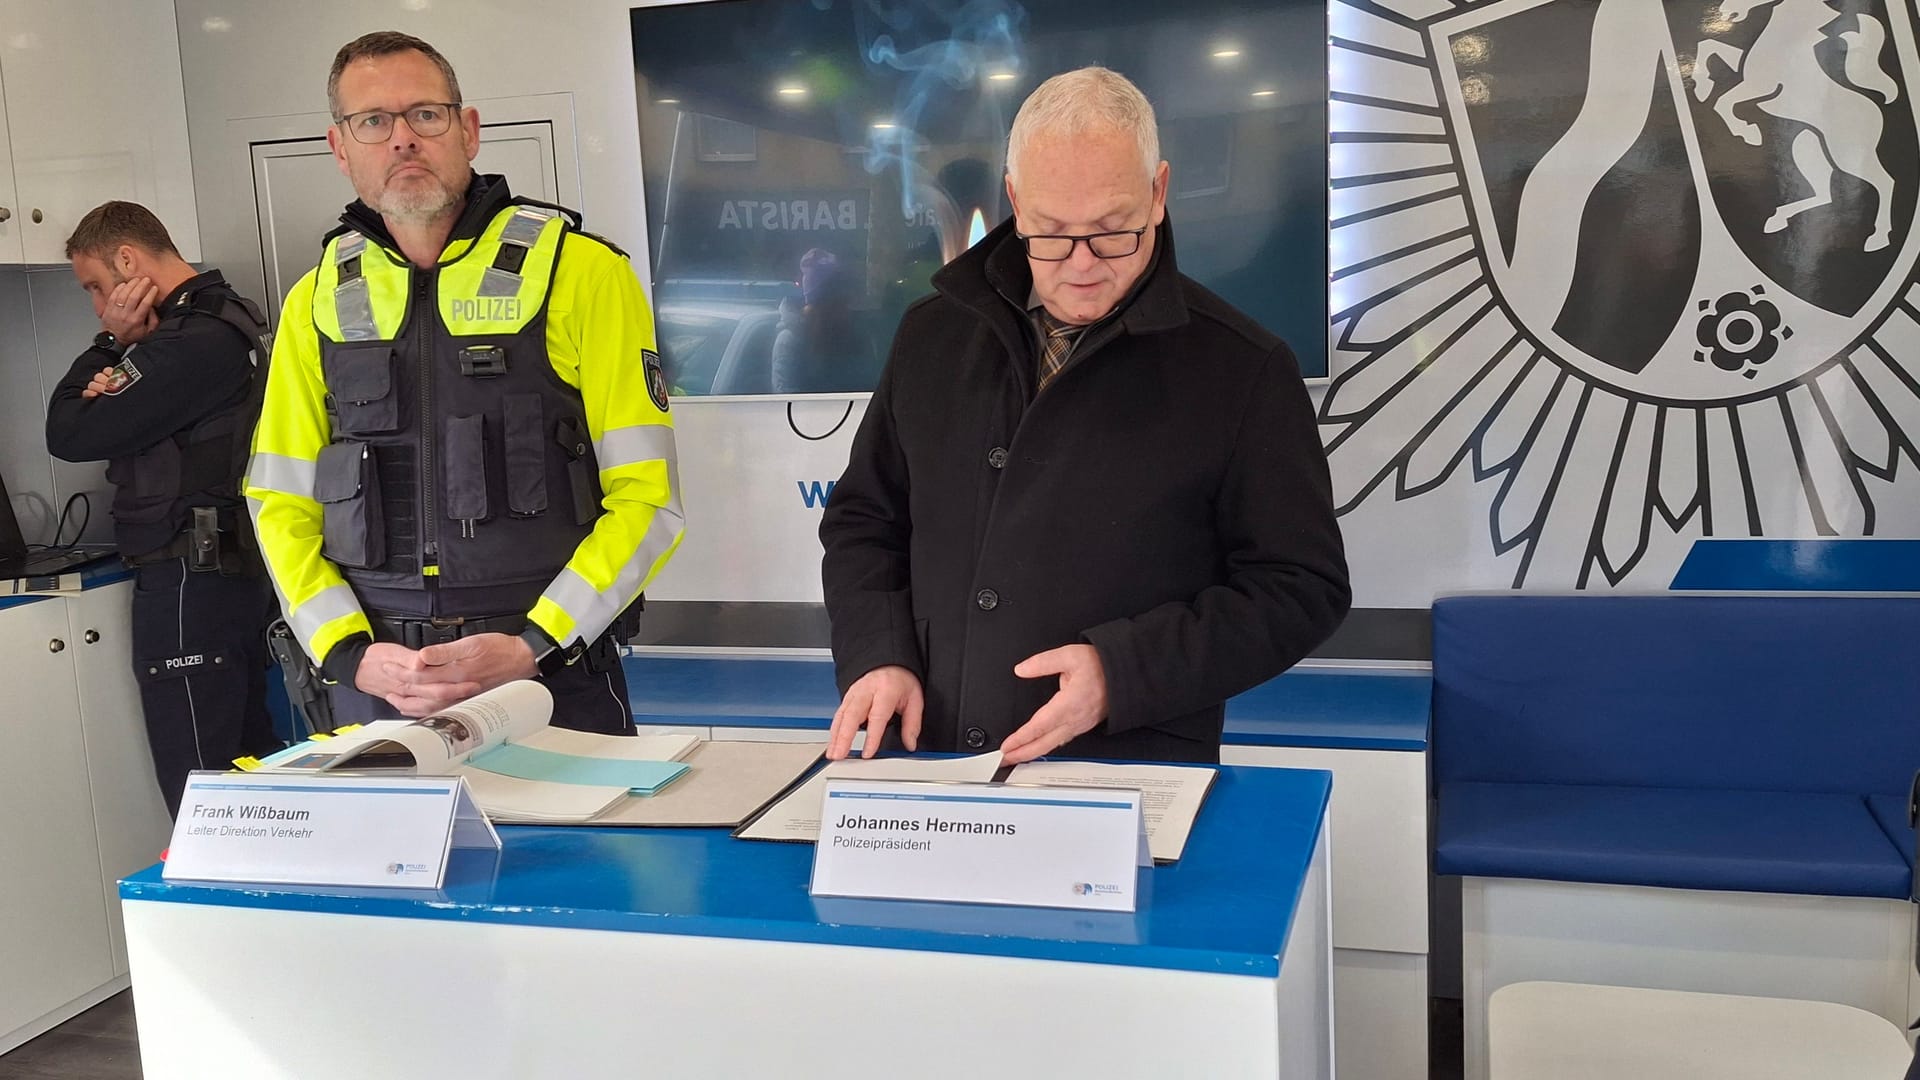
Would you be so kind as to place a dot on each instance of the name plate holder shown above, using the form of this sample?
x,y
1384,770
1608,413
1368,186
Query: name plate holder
x,y
980,844
359,831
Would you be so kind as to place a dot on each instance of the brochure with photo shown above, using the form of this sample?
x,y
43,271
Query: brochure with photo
x,y
517,766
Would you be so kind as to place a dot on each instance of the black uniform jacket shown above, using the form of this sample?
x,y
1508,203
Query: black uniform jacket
x,y
191,367
1165,499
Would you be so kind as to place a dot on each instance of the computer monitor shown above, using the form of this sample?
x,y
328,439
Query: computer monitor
x,y
831,156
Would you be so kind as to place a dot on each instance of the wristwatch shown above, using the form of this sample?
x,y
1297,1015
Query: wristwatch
x,y
107,343
550,657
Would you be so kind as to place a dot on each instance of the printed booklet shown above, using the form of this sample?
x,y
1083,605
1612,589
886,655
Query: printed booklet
x,y
518,767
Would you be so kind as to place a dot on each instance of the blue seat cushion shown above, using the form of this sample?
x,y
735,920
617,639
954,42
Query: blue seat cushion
x,y
1746,841
1891,812
1756,693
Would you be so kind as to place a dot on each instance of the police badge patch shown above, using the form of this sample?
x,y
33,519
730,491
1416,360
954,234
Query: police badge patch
x,y
1647,263
123,374
656,379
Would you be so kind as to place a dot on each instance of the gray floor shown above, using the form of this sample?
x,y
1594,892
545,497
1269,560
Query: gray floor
x,y
99,1044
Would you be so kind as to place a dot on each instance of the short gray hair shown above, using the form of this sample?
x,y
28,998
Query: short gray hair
x,y
1084,100
378,44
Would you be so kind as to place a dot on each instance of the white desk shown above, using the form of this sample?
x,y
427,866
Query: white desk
x,y
662,952
1366,725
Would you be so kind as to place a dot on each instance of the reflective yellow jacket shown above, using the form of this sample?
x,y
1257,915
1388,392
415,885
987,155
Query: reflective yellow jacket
x,y
599,342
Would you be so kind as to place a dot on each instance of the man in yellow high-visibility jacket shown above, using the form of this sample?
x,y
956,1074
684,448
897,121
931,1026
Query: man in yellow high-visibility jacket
x,y
464,470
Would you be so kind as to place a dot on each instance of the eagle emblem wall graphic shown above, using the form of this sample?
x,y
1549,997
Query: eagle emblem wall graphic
x,y
1607,277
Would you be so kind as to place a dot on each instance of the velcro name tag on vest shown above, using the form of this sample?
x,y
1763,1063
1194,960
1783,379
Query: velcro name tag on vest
x,y
476,309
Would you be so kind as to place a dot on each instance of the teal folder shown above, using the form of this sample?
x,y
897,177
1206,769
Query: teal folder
x,y
527,763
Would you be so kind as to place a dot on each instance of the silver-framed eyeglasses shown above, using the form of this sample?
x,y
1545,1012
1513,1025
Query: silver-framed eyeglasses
x,y
427,119
1106,245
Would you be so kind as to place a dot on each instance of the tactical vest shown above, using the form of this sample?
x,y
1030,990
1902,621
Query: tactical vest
x,y
201,465
456,450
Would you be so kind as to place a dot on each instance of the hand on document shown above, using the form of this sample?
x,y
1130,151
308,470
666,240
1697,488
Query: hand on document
x,y
871,702
1075,709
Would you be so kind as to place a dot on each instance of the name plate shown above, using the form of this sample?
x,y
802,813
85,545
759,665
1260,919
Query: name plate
x,y
323,830
980,843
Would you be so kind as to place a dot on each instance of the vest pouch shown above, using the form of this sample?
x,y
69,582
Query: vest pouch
x,y
360,382
346,483
583,483
463,471
146,485
524,418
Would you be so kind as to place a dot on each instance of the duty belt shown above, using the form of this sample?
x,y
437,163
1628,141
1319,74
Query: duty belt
x,y
418,633
232,562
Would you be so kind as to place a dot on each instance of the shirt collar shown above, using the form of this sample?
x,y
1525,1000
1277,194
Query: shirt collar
x,y
182,296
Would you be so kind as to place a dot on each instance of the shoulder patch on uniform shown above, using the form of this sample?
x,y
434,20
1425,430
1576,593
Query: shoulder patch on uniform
x,y
656,379
125,374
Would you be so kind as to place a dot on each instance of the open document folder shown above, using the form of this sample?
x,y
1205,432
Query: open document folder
x,y
796,817
517,766
1171,795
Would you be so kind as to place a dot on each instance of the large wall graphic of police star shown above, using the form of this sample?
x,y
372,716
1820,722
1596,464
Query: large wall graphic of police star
x,y
1610,277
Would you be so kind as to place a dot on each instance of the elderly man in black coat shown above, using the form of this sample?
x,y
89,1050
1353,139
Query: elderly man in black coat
x,y
1088,502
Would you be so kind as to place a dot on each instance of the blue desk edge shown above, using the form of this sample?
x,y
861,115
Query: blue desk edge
x,y
1298,796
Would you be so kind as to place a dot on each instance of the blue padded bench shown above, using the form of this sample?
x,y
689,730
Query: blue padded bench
x,y
1345,708
1745,743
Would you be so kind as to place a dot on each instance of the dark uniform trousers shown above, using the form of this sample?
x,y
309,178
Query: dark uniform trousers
x,y
200,656
583,700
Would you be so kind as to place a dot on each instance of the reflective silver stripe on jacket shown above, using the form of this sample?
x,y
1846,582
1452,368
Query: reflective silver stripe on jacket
x,y
352,298
593,610
278,472
320,609
632,445
522,230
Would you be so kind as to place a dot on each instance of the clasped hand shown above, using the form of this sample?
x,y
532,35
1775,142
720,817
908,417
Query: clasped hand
x,y
420,682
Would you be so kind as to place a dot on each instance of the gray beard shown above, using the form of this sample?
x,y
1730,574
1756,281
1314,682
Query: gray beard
x,y
417,207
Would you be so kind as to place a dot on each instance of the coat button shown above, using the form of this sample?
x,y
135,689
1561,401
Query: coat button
x,y
976,738
997,457
987,599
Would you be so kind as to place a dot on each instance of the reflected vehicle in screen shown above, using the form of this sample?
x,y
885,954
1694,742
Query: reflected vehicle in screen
x,y
716,337
721,338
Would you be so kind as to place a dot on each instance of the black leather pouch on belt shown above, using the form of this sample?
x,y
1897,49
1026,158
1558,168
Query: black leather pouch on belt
x,y
203,554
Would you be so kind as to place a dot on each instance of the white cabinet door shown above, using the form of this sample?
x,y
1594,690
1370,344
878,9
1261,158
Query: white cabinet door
x,y
133,823
10,219
298,190
95,112
53,918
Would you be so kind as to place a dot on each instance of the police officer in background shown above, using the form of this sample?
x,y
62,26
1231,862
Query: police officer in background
x,y
165,396
464,471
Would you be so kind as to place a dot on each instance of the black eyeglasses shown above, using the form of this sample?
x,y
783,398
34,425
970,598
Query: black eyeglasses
x,y
1106,245
427,119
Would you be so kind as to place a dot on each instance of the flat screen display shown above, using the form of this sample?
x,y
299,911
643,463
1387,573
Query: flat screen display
x,y
809,164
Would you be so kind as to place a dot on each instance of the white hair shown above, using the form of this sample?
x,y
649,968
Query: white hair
x,y
1090,99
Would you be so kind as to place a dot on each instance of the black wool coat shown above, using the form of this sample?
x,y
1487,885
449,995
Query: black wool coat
x,y
1164,499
